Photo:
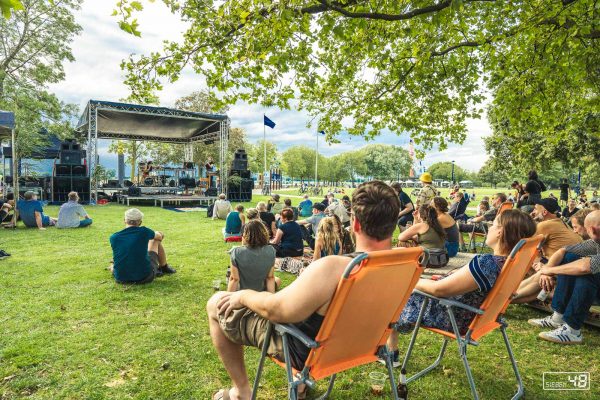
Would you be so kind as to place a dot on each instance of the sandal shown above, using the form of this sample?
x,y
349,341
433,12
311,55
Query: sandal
x,y
222,394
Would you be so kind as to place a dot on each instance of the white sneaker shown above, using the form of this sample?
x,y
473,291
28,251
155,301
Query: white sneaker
x,y
562,335
546,322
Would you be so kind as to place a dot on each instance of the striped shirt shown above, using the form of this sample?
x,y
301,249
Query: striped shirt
x,y
590,248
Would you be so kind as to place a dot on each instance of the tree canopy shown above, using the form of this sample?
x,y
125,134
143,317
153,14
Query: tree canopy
x,y
35,42
421,67
443,170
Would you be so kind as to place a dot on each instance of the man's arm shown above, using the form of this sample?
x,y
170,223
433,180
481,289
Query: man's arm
x,y
38,220
579,267
406,210
277,238
313,289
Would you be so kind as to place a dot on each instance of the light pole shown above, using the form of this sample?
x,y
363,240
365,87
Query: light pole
x,y
453,172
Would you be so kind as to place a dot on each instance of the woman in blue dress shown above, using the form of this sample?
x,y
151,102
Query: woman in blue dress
x,y
469,284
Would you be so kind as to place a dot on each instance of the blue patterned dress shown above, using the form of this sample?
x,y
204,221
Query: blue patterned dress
x,y
485,269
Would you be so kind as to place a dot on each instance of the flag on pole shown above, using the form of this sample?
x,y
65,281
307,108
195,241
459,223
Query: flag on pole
x,y
411,149
322,132
269,123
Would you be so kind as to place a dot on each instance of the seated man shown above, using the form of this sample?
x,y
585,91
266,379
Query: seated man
x,y
556,236
70,213
337,208
32,212
305,207
474,225
577,286
138,253
288,204
6,207
310,225
222,207
240,318
458,207
235,222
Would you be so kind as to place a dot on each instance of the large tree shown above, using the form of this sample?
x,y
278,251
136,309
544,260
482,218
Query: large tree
x,y
386,162
34,45
443,170
413,66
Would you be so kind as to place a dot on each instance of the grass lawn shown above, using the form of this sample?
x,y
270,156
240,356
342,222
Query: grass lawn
x,y
67,331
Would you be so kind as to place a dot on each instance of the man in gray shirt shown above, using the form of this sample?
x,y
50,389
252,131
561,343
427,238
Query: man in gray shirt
x,y
311,235
70,213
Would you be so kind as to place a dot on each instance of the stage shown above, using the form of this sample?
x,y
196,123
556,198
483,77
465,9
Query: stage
x,y
166,198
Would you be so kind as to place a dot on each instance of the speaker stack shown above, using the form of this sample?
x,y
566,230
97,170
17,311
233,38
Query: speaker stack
x,y
243,192
70,175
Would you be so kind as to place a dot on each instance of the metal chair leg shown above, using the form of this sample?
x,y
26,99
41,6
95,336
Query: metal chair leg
x,y
415,332
462,351
433,366
292,386
261,363
521,389
329,388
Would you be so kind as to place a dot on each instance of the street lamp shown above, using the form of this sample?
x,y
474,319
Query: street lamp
x,y
453,183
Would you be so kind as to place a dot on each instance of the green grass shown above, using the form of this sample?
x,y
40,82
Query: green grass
x,y
69,332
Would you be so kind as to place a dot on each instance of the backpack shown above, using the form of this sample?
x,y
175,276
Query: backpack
x,y
438,258
209,211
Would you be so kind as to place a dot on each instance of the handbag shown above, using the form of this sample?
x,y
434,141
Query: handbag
x,y
438,258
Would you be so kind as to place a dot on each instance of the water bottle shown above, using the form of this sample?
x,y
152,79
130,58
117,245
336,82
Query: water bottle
x,y
402,389
542,296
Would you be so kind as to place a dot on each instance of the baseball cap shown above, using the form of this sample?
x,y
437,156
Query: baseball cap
x,y
319,206
133,214
550,204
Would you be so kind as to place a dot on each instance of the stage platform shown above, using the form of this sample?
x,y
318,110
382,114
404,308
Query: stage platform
x,y
162,199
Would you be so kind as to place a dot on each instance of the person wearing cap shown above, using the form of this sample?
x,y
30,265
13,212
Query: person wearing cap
x,y
305,207
222,207
557,235
32,214
138,252
275,206
70,214
427,192
310,225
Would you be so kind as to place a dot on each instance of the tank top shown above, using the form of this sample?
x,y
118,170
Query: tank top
x,y
452,234
431,240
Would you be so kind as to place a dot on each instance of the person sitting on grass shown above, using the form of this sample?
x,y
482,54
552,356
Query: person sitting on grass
x,y
234,222
252,214
578,223
310,225
288,204
448,223
221,208
253,263
138,252
577,287
571,209
469,284
426,232
406,206
305,207
275,206
329,242
241,318
70,213
458,208
267,218
32,214
474,225
288,237
6,206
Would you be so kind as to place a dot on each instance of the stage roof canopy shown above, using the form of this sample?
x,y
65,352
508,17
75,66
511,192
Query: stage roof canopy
x,y
7,123
136,122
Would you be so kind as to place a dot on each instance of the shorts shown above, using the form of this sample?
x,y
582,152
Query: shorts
x,y
247,328
468,228
153,256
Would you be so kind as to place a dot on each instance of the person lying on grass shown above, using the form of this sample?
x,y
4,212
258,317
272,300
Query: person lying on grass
x,y
469,284
138,253
239,319
253,263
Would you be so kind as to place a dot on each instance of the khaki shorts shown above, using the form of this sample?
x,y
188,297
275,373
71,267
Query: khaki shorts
x,y
247,328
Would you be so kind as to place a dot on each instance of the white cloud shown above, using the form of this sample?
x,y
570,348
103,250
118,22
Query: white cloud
x,y
96,74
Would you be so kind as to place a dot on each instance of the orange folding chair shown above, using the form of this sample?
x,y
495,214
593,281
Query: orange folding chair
x,y
507,205
369,298
488,317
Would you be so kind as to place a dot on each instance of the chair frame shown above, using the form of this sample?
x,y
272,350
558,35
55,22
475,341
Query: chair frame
x,y
463,341
303,377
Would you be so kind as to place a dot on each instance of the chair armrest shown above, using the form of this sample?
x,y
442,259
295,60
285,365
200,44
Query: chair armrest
x,y
450,302
288,329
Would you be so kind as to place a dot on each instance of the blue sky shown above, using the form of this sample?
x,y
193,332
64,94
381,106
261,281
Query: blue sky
x,y
96,75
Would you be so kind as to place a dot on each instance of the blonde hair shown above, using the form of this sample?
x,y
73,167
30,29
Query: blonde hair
x,y
262,206
329,235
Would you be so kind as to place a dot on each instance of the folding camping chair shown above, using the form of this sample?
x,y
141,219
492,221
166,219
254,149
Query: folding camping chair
x,y
369,298
507,205
488,317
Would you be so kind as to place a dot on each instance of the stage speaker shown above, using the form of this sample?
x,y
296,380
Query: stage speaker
x,y
187,182
134,191
80,184
62,184
240,160
70,157
63,170
212,192
244,174
247,185
78,170
112,183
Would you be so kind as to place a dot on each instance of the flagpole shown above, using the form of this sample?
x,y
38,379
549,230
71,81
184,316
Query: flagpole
x,y
317,161
265,151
